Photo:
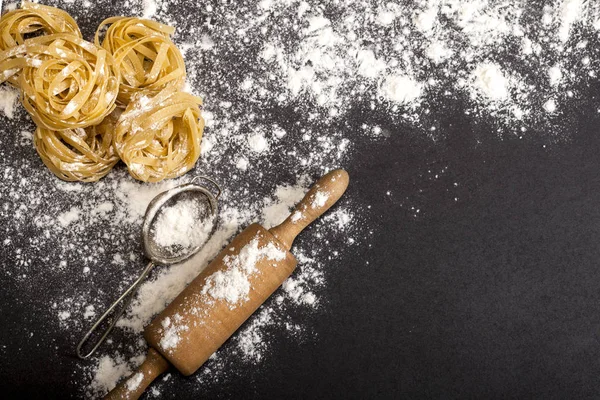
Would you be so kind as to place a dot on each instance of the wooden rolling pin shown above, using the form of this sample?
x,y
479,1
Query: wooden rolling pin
x,y
202,317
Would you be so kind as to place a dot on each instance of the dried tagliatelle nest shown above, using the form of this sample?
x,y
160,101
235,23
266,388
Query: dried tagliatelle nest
x,y
66,82
144,53
71,88
34,20
80,154
159,137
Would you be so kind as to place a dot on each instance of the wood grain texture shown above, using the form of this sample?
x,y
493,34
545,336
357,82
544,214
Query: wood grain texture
x,y
210,322
131,389
321,196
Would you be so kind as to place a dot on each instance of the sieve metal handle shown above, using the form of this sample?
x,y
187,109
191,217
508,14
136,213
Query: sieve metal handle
x,y
212,181
127,296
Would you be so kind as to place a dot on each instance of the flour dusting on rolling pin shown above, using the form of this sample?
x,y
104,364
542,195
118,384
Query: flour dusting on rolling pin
x,y
218,301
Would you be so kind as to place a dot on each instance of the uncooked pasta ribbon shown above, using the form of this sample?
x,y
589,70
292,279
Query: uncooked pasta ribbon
x,y
66,82
159,137
34,20
80,154
143,51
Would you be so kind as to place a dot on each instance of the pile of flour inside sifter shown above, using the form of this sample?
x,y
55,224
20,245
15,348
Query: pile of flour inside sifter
x,y
180,225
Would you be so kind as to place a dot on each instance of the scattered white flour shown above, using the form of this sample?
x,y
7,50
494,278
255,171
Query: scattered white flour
x,y
26,138
103,209
333,65
296,216
108,372
64,315
491,81
570,12
319,199
298,287
118,259
424,21
134,382
8,101
149,8
136,196
172,329
232,284
68,217
258,143
277,209
438,52
400,89
251,340
550,106
69,108
555,75
341,218
89,312
368,65
242,163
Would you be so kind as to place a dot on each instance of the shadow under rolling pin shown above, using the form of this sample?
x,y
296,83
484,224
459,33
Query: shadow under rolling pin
x,y
201,318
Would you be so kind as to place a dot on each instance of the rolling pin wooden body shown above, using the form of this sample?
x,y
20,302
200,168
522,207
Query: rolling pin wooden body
x,y
202,317
205,323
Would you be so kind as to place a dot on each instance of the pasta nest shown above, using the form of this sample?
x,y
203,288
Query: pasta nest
x,y
66,82
159,137
33,20
80,154
144,53
71,88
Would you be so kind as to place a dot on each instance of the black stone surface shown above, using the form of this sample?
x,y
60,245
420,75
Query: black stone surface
x,y
494,295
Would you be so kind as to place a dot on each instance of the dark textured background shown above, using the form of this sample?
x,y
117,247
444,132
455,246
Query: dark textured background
x,y
496,295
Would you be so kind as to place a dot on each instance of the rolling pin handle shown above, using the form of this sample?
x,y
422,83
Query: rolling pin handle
x,y
134,386
324,193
